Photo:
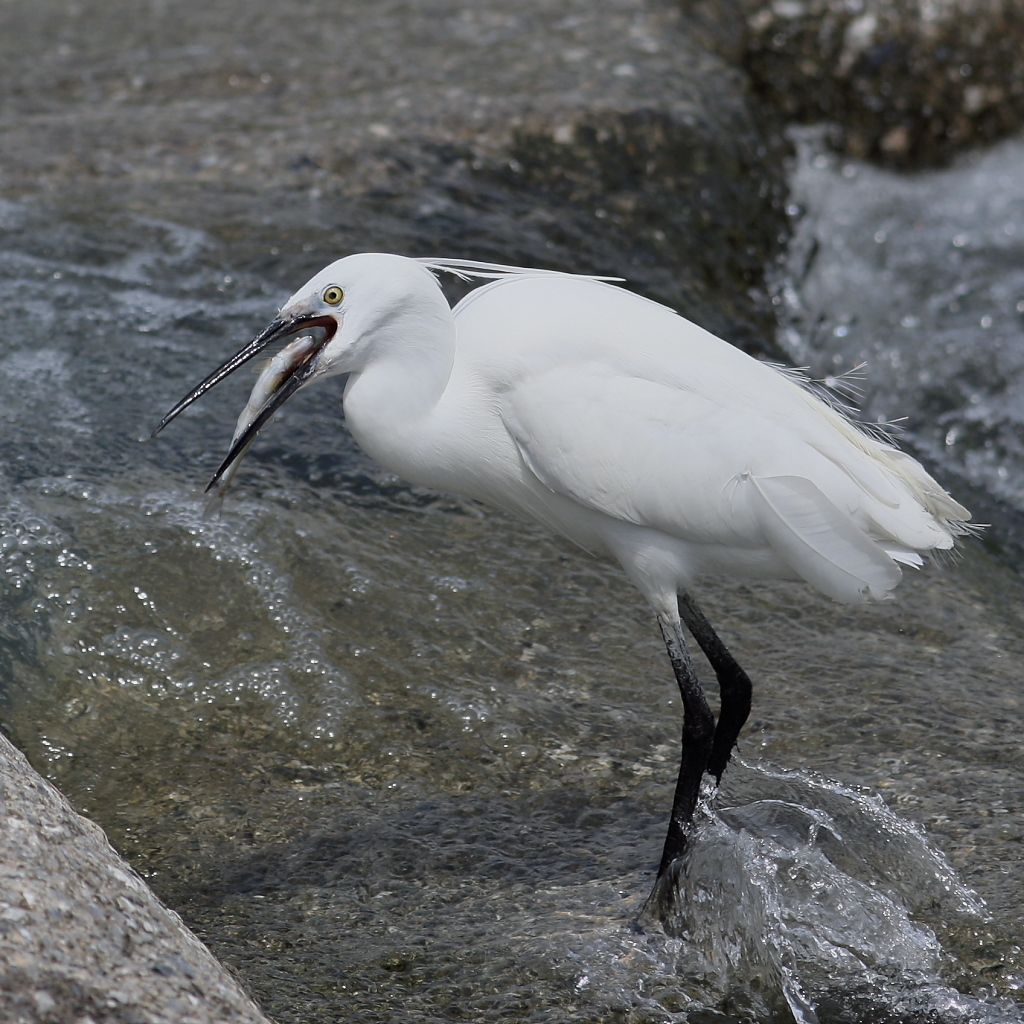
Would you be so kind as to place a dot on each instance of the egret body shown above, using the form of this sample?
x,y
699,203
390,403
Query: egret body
x,y
618,424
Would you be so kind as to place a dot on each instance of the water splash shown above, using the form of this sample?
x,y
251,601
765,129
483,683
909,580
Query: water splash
x,y
803,900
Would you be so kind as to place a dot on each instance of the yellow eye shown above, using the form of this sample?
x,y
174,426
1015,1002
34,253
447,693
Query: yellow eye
x,y
332,295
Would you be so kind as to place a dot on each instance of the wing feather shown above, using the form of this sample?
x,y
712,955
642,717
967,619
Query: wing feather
x,y
708,465
821,543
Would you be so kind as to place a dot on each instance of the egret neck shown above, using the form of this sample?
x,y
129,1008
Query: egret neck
x,y
400,364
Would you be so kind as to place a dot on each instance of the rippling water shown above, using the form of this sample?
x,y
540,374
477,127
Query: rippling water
x,y
399,757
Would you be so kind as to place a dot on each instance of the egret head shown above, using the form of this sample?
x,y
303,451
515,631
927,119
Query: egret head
x,y
346,309
366,307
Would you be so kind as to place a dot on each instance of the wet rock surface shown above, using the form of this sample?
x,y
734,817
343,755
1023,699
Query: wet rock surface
x,y
595,137
82,938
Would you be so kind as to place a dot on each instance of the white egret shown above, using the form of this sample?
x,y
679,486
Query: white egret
x,y
618,424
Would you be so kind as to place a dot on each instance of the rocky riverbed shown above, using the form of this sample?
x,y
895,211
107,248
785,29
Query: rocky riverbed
x,y
391,755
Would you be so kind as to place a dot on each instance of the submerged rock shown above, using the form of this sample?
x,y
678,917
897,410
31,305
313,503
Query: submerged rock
x,y
598,137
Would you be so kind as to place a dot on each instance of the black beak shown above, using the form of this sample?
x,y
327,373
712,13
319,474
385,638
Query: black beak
x,y
285,390
274,331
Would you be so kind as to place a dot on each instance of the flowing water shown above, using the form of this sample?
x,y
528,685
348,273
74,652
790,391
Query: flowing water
x,y
921,280
398,757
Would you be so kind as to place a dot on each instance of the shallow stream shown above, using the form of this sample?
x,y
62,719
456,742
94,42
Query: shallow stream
x,y
398,757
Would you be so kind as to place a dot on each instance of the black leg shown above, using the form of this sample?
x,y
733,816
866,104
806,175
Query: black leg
x,y
733,682
698,736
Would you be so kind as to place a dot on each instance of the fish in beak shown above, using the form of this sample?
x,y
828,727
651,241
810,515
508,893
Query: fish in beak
x,y
283,375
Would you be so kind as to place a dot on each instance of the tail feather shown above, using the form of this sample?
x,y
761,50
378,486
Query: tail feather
x,y
953,516
907,506
894,479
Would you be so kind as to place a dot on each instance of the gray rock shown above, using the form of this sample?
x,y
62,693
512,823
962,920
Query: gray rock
x,y
82,938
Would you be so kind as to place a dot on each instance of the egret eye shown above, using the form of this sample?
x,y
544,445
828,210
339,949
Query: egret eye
x,y
333,295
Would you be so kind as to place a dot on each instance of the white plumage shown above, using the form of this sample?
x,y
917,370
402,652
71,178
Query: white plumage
x,y
609,417
617,423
